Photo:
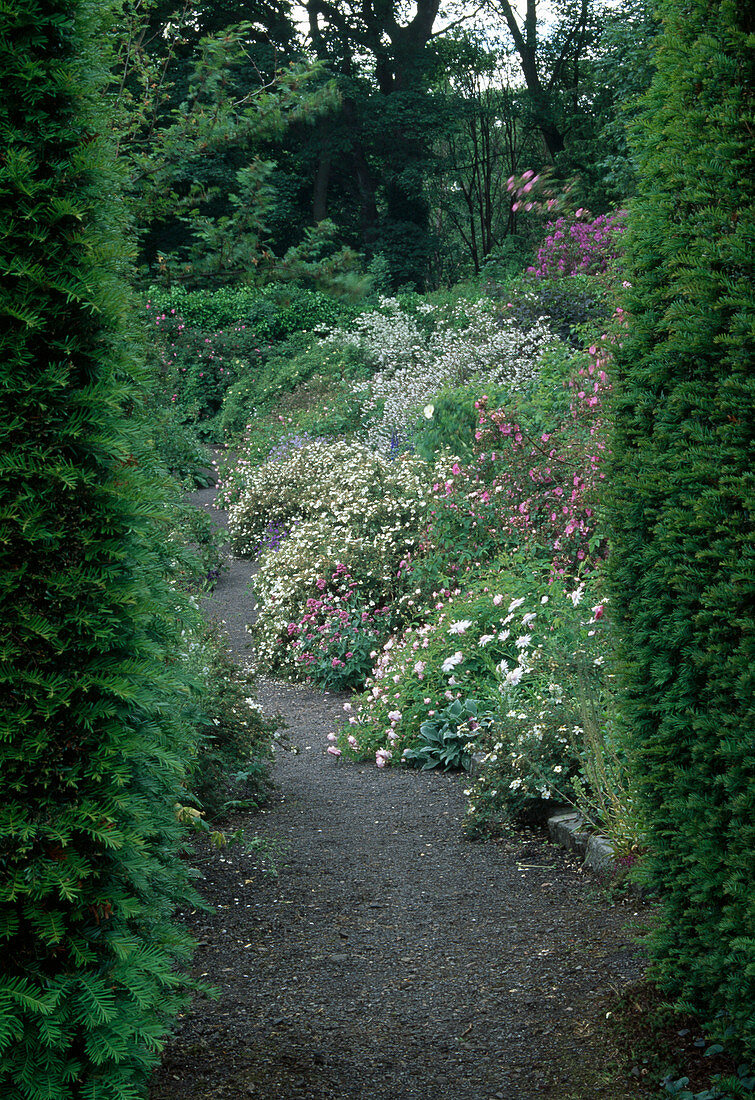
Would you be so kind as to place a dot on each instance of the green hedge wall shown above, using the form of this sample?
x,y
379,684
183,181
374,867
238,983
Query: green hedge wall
x,y
683,553
90,682
272,312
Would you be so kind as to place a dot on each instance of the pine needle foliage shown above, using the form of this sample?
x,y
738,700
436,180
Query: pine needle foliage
x,y
683,555
91,740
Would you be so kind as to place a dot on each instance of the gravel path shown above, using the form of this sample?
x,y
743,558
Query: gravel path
x,y
390,958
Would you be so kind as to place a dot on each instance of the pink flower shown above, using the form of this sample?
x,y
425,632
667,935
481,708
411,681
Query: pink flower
x,y
333,750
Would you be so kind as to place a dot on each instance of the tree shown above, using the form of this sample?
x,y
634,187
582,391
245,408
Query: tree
x,y
482,144
614,75
92,744
550,66
682,561
196,115
383,65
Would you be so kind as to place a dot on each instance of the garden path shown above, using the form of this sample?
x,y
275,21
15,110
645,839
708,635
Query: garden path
x,y
390,959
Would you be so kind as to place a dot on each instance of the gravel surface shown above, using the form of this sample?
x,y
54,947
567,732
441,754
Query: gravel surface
x,y
390,958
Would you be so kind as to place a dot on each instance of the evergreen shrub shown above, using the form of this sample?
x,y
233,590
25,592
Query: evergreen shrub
x,y
683,554
272,312
92,741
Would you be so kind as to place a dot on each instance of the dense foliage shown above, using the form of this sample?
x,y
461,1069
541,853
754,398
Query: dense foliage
x,y
479,508
682,506
93,747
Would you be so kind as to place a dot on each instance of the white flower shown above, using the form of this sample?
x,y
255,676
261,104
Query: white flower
x,y
515,675
428,411
452,662
485,638
497,600
460,627
523,641
503,635
514,604
529,618
576,595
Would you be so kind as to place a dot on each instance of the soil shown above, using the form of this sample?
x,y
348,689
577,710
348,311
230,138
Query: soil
x,y
389,958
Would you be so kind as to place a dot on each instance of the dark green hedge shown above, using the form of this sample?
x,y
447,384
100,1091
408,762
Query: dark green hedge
x,y
683,553
91,747
271,312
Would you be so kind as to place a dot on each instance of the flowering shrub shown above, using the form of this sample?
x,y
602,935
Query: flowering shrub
x,y
568,305
528,486
545,745
344,484
455,654
576,243
198,366
342,506
533,757
335,638
275,447
413,361
579,244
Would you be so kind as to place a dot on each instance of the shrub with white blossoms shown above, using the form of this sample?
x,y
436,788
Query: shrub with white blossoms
x,y
540,748
452,346
343,506
470,643
526,661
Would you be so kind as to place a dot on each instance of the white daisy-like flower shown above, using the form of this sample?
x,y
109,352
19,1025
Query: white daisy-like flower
x,y
523,641
460,627
515,603
485,639
452,662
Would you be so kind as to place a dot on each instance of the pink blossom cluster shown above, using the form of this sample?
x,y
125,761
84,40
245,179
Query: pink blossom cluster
x,y
179,343
536,191
540,487
579,244
327,618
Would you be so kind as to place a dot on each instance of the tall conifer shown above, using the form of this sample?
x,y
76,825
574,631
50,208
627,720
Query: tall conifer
x,y
90,743
683,555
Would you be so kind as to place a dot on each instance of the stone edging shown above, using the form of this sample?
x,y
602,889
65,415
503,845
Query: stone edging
x,y
567,828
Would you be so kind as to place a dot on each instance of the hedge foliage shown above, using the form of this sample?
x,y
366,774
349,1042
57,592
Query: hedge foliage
x,y
271,312
91,745
683,556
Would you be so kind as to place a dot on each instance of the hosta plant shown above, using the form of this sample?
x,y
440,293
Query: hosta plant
x,y
448,740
